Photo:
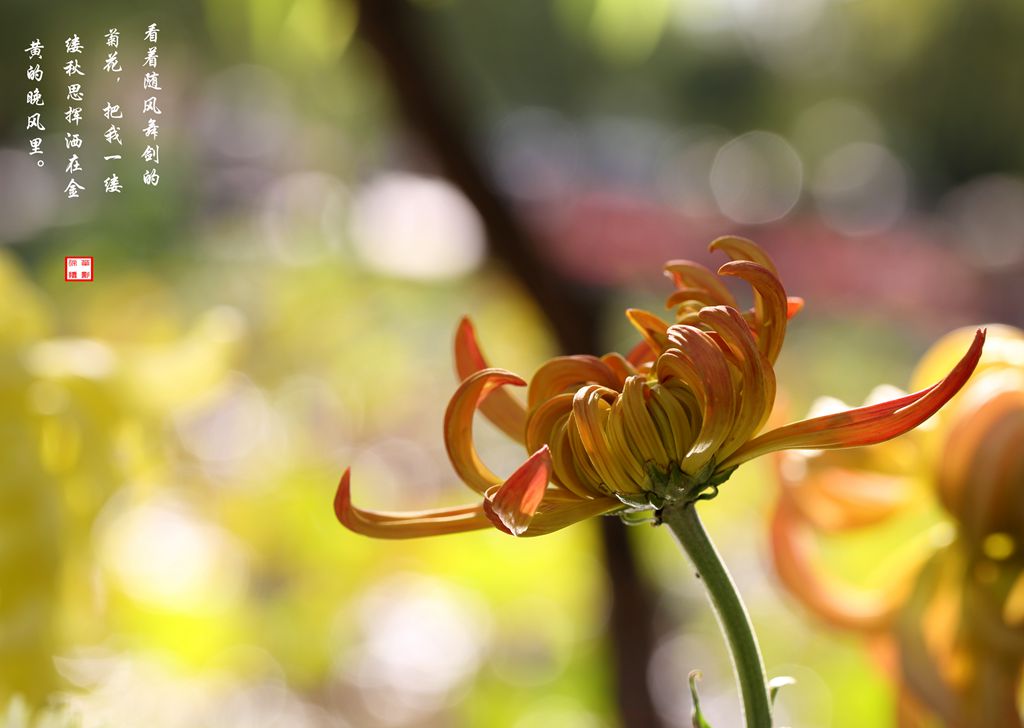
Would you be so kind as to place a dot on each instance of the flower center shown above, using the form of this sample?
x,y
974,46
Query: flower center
x,y
641,445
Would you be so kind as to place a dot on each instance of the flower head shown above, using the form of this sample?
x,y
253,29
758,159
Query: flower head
x,y
952,615
668,422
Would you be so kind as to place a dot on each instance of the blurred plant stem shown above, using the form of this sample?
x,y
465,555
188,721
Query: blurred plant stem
x,y
732,614
424,97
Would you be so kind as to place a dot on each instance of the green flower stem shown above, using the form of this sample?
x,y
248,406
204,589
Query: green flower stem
x,y
732,615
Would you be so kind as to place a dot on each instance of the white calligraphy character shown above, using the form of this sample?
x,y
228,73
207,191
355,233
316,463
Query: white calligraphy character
x,y
111,65
113,135
72,189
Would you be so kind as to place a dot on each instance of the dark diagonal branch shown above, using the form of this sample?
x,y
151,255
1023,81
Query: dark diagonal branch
x,y
423,96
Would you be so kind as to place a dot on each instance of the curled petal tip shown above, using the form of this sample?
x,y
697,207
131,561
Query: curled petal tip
x,y
739,248
343,496
516,501
725,241
465,338
475,392
651,327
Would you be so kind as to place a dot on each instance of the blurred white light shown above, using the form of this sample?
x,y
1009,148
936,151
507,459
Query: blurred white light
x,y
759,18
267,705
756,178
303,215
69,357
421,640
883,393
131,690
987,220
166,555
416,227
861,188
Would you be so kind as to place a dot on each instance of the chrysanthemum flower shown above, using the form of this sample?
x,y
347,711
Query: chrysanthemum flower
x,y
665,424
949,619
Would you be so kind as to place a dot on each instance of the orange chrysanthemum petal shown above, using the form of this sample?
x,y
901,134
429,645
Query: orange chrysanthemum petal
x,y
770,305
840,499
687,274
568,372
640,354
792,543
620,366
558,510
413,524
865,425
458,426
515,501
739,248
651,327
699,364
501,408
591,410
756,374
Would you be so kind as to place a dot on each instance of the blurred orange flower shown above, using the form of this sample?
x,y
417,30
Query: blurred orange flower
x,y
667,423
950,622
